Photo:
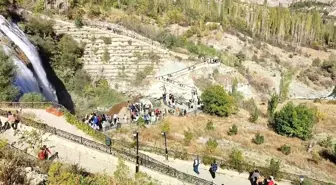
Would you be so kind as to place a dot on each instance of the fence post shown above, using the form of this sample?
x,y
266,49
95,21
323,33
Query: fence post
x,y
82,140
55,131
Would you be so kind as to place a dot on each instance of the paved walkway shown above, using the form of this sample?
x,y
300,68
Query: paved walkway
x,y
57,122
92,160
227,177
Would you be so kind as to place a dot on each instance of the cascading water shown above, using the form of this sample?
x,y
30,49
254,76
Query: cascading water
x,y
13,32
25,79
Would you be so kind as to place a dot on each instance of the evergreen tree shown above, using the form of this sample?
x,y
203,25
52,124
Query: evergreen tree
x,y
7,71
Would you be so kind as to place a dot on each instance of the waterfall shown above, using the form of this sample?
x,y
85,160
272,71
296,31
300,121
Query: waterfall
x,y
13,32
24,78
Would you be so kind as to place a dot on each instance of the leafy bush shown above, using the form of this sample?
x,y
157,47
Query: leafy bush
x,y
32,97
273,168
78,22
259,139
285,149
210,125
233,130
295,121
326,143
187,137
217,102
236,160
211,145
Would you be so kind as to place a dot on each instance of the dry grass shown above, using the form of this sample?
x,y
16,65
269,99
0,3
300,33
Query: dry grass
x,y
296,162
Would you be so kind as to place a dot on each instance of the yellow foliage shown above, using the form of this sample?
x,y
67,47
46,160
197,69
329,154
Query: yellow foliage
x,y
320,116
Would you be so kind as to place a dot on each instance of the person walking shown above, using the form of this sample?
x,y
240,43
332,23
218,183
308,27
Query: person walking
x,y
196,164
254,177
213,169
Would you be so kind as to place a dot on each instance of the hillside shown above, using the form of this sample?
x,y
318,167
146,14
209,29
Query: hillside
x,y
264,56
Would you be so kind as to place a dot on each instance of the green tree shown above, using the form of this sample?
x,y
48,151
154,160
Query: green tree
x,y
295,121
32,97
7,73
217,102
272,105
237,160
285,81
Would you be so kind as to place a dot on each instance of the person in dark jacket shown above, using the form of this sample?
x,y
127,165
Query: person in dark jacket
x,y
213,169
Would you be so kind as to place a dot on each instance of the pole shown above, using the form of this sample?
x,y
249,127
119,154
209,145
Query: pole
x,y
137,153
165,137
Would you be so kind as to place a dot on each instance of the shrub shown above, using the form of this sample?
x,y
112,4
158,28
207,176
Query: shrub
x,y
217,102
316,62
211,145
106,56
285,149
78,22
210,125
295,121
107,40
233,130
273,168
241,56
326,143
254,115
165,126
206,160
259,139
187,137
236,160
316,158
32,97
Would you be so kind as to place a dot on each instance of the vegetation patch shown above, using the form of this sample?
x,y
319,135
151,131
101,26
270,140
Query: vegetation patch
x,y
295,121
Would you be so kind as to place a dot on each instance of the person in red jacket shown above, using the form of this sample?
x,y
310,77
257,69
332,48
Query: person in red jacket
x,y
270,180
43,154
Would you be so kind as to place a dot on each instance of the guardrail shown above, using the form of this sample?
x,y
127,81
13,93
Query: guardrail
x,y
128,150
129,155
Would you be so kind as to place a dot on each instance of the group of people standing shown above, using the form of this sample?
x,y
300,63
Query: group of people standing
x,y
12,120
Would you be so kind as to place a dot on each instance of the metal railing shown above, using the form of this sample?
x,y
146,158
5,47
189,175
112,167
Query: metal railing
x,y
123,152
127,149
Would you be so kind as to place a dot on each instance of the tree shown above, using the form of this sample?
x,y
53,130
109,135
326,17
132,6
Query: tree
x,y
217,102
285,81
272,105
7,73
295,121
32,97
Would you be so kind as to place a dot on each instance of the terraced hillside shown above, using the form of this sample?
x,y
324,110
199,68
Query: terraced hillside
x,y
114,56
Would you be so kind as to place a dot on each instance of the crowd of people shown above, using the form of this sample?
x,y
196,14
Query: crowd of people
x,y
257,179
100,121
146,111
